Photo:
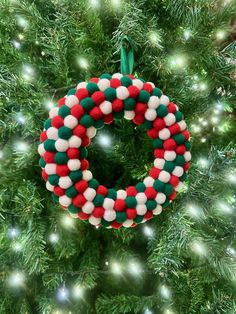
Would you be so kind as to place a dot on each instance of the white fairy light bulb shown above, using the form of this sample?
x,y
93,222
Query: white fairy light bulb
x,y
199,248
187,34
178,61
231,251
13,232
67,222
169,311
104,140
148,231
21,36
1,154
82,62
22,22
21,147
42,53
62,294
94,4
48,104
27,72
77,292
116,268
203,140
220,35
231,178
165,292
16,247
134,268
53,238
203,163
116,4
16,44
215,120
16,279
195,128
224,207
106,263
20,118
194,211
147,311
202,86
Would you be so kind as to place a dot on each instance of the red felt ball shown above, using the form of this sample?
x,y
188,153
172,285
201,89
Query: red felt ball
x,y
186,166
108,119
180,150
114,83
131,191
159,153
84,164
133,91
44,175
62,170
154,173
131,213
140,108
171,107
77,111
130,76
57,122
138,119
119,205
98,212
43,136
152,133
169,144
79,131
94,80
172,196
98,97
117,105
186,134
96,113
79,200
102,190
81,186
116,225
73,153
83,216
174,129
49,157
174,180
148,215
81,93
85,141
61,102
150,192
148,87
159,124
58,191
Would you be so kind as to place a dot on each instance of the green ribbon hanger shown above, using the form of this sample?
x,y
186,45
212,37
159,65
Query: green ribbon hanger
x,y
126,56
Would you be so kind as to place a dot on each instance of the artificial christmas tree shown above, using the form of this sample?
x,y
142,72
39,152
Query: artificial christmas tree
x,y
182,261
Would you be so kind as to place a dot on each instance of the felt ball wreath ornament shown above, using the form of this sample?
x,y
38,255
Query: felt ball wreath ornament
x,y
69,129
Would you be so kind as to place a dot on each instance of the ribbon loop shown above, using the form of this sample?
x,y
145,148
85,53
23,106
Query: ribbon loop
x,y
126,56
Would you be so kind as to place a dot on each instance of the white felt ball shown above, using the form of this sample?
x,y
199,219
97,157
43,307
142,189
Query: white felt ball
x,y
169,155
129,114
74,164
148,181
64,200
164,176
71,101
65,182
75,141
169,119
164,134
160,198
117,75
159,163
103,84
91,131
50,168
164,100
88,207
141,209
94,221
49,187
41,149
70,121
178,171
109,215
61,145
82,85
89,194
141,198
87,175
52,133
122,92
150,114
182,125
127,223
138,83
53,112
121,194
106,107
179,186
153,102
108,203
187,156
157,210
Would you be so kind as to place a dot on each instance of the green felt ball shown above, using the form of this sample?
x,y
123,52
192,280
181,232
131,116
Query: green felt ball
x,y
129,104
93,183
111,193
143,96
98,200
180,160
126,81
168,190
73,209
138,219
187,145
162,111
71,91
48,124
98,124
53,179
166,203
151,204
183,177
178,116
118,115
83,152
86,121
157,143
55,198
64,132
106,75
42,163
105,223
92,88
75,175
147,125
131,201
49,145
169,166
61,158
121,217
179,138
87,103
71,192
156,92
64,111
110,94
140,187
159,186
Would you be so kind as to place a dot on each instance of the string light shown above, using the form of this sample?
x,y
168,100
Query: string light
x,y
231,251
1,154
178,61
203,163
62,294
21,36
53,238
116,268
134,268
220,35
94,4
16,279
147,311
199,248
165,292
42,53
67,222
215,120
13,232
104,140
77,292
168,311
148,231
116,4
22,22
224,207
187,34
16,247
82,63
194,211
203,140
48,104
106,263
231,177
20,118
203,86
16,44
195,128
21,147
28,72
